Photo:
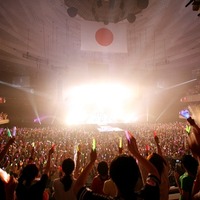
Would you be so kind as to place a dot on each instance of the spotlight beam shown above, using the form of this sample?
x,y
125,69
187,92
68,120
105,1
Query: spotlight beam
x,y
180,84
27,90
166,108
32,102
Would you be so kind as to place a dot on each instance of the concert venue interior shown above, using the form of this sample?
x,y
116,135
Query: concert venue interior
x,y
56,68
76,74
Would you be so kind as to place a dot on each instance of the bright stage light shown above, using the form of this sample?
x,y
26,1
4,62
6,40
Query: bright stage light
x,y
97,104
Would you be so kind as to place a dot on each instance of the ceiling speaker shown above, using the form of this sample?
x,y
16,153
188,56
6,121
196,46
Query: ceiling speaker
x,y
131,17
72,11
142,4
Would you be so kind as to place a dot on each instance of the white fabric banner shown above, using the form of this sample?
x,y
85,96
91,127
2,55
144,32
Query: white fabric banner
x,y
96,36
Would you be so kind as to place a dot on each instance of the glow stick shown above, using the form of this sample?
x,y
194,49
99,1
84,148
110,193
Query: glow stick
x,y
77,148
127,135
9,133
1,130
93,144
120,142
187,129
154,133
14,131
33,144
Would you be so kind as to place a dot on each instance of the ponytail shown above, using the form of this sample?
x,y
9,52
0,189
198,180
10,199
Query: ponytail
x,y
66,180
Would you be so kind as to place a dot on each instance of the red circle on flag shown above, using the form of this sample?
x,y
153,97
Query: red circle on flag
x,y
104,37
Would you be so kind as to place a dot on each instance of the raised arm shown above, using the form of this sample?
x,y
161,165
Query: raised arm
x,y
158,145
194,145
132,146
196,185
80,182
47,168
6,147
176,177
192,122
77,163
194,138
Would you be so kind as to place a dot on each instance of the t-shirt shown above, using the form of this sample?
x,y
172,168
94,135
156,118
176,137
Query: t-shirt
x,y
34,192
59,192
186,183
164,185
148,192
109,188
97,184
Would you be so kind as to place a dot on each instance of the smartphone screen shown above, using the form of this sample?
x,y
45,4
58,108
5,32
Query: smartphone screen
x,y
185,113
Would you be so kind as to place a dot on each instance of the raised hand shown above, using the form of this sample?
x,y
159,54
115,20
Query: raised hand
x,y
194,142
11,140
194,137
132,146
120,150
93,155
156,139
51,151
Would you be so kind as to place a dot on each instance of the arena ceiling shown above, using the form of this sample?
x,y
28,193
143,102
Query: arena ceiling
x,y
40,35
40,41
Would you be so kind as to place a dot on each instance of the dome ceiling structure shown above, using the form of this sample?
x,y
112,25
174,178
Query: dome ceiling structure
x,y
41,35
41,42
106,11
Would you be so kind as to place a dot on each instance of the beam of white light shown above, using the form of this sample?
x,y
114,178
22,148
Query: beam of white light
x,y
31,93
27,90
180,84
32,102
166,108
42,118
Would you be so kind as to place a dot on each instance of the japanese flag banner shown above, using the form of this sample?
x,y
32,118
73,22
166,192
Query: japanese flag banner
x,y
98,37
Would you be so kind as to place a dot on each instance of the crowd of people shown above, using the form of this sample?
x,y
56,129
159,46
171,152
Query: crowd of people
x,y
57,156
195,89
3,116
172,137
